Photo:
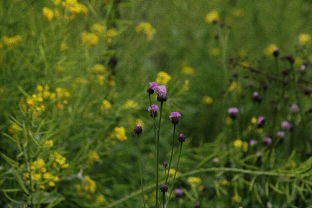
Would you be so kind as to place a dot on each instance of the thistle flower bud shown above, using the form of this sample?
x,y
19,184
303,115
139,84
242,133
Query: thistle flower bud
x,y
138,129
267,140
165,164
294,108
178,192
161,91
260,121
175,117
151,88
256,97
276,52
252,142
153,110
303,69
280,134
233,112
181,138
286,125
289,58
163,188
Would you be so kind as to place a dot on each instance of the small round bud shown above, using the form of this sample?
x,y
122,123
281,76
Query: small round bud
x,y
256,97
175,117
165,164
161,91
267,140
163,188
153,110
233,112
151,88
138,129
181,138
178,193
276,52
260,122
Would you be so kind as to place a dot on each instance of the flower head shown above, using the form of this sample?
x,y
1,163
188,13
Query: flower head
x,y
138,129
178,192
233,112
175,117
163,188
163,78
280,134
181,138
260,121
161,91
212,17
153,110
252,142
286,125
294,108
256,97
151,88
267,140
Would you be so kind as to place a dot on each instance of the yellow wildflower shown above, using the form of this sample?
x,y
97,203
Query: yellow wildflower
x,y
212,16
89,184
253,120
304,38
100,199
163,78
147,29
236,198
106,104
238,143
235,86
97,28
98,68
47,13
110,34
51,183
214,51
49,143
14,128
89,39
38,164
237,12
47,176
56,2
270,49
207,100
130,104
11,41
93,157
187,70
194,181
120,133
59,160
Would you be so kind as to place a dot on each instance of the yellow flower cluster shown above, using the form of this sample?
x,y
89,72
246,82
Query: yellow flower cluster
x,y
194,181
100,199
187,70
89,185
163,78
93,157
270,49
37,102
234,87
58,160
147,29
106,104
97,28
10,41
130,104
214,51
212,16
47,13
119,133
49,143
14,128
73,7
236,198
241,144
110,35
89,39
304,38
207,100
98,68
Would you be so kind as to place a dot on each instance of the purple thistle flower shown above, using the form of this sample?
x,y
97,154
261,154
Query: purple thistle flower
x,y
138,129
303,69
286,125
181,138
161,91
163,188
252,142
267,140
261,121
175,117
151,88
280,134
233,112
256,97
178,192
294,108
153,110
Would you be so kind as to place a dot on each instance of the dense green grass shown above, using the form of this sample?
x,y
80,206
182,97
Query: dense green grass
x,y
229,64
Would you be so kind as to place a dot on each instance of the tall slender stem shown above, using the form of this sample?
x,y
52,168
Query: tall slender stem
x,y
157,155
164,199
172,147
175,173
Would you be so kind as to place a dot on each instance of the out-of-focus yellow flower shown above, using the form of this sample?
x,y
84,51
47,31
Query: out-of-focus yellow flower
x,y
139,122
304,38
236,198
59,160
147,29
207,100
106,104
63,46
56,2
48,176
74,8
49,143
298,61
253,120
224,182
89,185
214,51
234,87
212,16
14,128
89,39
187,70
130,104
229,121
238,143
163,78
119,133
47,13
98,68
100,199
270,49
110,34
93,157
237,12
186,86
97,28
193,181
11,41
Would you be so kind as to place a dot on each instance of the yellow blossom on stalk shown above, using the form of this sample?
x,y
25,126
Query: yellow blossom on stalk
x,y
59,160
214,51
51,183
207,100
304,38
139,122
110,34
47,13
49,143
100,199
193,181
11,41
253,120
56,2
97,28
238,143
224,182
130,104
106,104
98,68
93,157
237,12
270,49
163,78
187,70
236,198
89,39
212,16
147,29
89,185
74,7
235,86
119,133
14,128
48,176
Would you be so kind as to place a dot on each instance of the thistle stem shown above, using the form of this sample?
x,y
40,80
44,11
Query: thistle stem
x,y
172,147
157,155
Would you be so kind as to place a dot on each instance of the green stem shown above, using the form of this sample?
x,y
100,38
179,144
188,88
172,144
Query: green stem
x,y
175,173
157,155
172,147
164,199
